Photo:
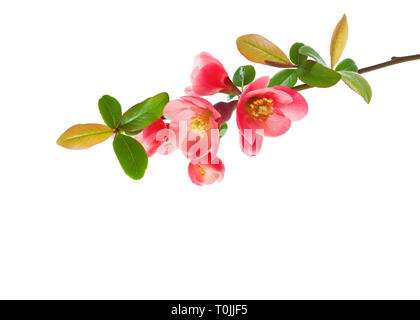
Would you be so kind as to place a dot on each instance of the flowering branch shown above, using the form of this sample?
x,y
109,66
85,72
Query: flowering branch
x,y
265,107
393,61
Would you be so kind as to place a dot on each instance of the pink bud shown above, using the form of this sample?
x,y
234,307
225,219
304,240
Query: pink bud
x,y
209,77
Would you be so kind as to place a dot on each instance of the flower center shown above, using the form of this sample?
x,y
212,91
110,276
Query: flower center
x,y
260,108
202,171
201,124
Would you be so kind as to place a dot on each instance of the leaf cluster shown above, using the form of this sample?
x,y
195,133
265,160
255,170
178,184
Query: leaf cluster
x,y
130,153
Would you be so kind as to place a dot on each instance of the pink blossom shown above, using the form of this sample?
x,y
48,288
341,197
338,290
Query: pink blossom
x,y
209,77
194,121
206,171
157,138
270,109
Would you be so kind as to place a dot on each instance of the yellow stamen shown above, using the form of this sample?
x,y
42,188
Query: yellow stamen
x,y
202,171
260,108
201,124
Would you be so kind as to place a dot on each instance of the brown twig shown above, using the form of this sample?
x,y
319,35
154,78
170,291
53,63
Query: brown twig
x,y
394,60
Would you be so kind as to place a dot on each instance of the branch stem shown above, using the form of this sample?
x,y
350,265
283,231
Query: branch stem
x,y
394,60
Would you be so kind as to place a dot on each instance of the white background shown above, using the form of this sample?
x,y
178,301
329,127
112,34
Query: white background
x,y
329,210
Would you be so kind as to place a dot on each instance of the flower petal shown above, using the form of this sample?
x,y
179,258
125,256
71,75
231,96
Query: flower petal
x,y
148,137
260,83
276,125
296,110
202,103
206,171
280,97
205,58
195,147
189,91
175,107
210,80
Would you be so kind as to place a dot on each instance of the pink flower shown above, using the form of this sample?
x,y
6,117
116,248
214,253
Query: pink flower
x,y
209,77
193,120
207,170
157,137
270,109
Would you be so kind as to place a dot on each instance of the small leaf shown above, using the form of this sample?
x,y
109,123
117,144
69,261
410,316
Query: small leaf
x,y
317,75
294,54
347,65
308,51
244,75
258,49
339,40
131,155
222,130
110,110
285,78
358,84
144,113
83,136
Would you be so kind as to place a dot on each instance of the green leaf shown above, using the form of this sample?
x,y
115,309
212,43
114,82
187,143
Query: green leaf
x,y
110,110
285,78
317,75
244,75
222,130
258,49
144,113
308,51
82,136
230,97
358,84
347,65
294,54
131,155
132,133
